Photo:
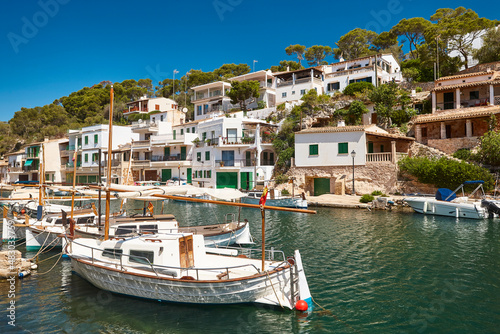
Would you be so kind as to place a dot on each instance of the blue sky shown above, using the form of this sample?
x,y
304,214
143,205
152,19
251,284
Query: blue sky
x,y
50,48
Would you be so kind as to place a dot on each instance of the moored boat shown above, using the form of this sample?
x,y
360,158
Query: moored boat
x,y
278,200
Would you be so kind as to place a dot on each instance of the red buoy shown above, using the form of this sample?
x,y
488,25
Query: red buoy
x,y
23,211
301,305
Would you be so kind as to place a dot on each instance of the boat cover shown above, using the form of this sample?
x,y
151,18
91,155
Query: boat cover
x,y
443,194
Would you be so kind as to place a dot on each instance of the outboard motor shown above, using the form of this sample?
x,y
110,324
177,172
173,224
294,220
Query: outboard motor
x,y
491,207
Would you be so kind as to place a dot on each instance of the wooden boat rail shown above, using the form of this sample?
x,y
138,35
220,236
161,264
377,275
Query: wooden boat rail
x,y
164,269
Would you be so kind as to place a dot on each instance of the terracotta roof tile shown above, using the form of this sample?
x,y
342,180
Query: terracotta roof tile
x,y
457,114
458,76
467,84
327,129
389,135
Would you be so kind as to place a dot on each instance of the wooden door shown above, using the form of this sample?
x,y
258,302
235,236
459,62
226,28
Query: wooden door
x,y
186,251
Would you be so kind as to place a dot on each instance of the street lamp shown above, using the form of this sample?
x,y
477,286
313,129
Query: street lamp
x,y
173,85
353,155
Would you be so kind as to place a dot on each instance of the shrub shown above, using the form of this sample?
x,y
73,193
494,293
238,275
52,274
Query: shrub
x,y
418,89
357,87
282,178
285,192
366,198
445,173
462,154
376,193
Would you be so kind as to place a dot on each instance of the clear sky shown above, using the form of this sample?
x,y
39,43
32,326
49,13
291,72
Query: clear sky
x,y
50,48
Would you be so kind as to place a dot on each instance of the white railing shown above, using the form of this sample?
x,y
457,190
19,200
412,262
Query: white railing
x,y
378,157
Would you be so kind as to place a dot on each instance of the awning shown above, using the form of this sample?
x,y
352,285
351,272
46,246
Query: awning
x,y
28,162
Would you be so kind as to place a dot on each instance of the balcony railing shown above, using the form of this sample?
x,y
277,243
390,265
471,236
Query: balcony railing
x,y
446,105
474,102
497,100
378,157
237,140
157,158
267,162
140,143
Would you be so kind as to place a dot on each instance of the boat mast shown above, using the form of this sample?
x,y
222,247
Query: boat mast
x,y
108,176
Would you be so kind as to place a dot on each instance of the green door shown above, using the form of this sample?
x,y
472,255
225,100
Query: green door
x,y
189,176
166,152
227,180
246,180
248,158
166,174
183,152
321,186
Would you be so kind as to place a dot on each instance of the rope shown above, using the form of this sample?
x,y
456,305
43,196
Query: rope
x,y
60,256
272,285
328,312
48,258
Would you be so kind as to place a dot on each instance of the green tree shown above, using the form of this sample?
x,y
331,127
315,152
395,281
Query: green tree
x,y
227,71
413,30
166,88
286,65
316,54
355,44
460,27
241,91
298,50
490,51
357,87
385,98
355,112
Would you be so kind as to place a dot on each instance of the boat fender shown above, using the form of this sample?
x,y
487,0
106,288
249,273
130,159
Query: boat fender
x,y
24,273
34,266
301,305
23,211
291,260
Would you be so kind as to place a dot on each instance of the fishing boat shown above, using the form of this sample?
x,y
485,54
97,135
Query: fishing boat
x,y
446,203
275,199
178,267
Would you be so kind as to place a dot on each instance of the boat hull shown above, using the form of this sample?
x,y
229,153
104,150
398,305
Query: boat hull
x,y
255,289
12,232
444,208
288,202
37,238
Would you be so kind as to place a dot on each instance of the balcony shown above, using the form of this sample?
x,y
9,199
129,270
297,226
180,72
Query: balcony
x,y
379,157
238,140
135,109
140,144
177,157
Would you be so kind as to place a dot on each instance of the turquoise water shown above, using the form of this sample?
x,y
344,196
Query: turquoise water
x,y
374,272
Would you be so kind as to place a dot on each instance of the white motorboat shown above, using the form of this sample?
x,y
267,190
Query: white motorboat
x,y
253,197
179,268
446,203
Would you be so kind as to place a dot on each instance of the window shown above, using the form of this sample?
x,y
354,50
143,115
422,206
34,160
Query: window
x,y
313,149
79,142
182,132
343,148
139,256
474,95
207,155
148,229
424,132
157,107
205,174
203,136
175,134
86,140
86,157
112,253
187,130
333,86
198,111
161,118
96,139
293,92
198,156
302,91
283,94
192,129
209,174
94,157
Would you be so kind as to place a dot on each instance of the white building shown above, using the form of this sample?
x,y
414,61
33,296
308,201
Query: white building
x,y
338,75
267,88
87,142
326,158
210,99
292,85
146,105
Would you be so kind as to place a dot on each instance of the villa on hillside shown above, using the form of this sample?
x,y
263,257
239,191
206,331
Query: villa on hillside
x,y
462,106
146,105
325,159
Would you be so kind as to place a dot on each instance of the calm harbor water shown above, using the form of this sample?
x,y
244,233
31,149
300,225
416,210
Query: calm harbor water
x,y
375,272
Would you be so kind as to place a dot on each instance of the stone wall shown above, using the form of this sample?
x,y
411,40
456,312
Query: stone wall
x,y
451,145
426,86
374,176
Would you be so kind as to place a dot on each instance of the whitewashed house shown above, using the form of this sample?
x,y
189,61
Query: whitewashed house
x,y
326,157
338,76
211,99
149,104
292,85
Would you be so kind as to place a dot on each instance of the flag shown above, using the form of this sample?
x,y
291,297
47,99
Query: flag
x,y
151,207
263,198
74,156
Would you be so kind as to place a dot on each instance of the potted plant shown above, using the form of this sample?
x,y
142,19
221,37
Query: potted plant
x,y
208,141
222,163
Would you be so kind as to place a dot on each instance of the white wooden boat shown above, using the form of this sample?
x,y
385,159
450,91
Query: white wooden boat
x,y
179,268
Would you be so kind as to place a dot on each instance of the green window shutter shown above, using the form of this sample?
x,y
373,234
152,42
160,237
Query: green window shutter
x,y
198,156
86,157
86,140
207,155
343,148
96,139
182,132
187,130
192,129
209,174
204,136
313,149
175,135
